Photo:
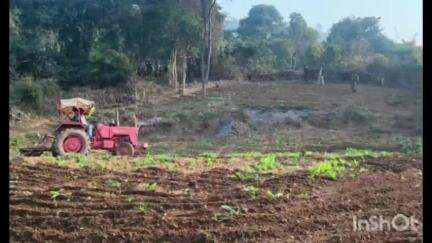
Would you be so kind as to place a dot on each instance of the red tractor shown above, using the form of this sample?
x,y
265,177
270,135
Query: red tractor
x,y
75,135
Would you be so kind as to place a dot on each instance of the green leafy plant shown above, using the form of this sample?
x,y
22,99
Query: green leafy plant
x,y
333,168
252,191
330,168
106,156
353,152
142,207
410,147
269,162
56,160
164,158
248,155
130,199
271,195
309,153
210,158
155,160
151,187
54,194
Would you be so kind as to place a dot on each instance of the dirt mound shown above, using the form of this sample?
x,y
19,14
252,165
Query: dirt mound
x,y
50,203
394,164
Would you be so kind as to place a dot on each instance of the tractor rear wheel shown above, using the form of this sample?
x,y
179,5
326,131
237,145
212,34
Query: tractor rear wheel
x,y
125,149
72,140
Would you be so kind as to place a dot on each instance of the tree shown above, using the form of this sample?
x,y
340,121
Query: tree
x,y
282,48
332,56
207,13
263,21
350,30
314,55
301,35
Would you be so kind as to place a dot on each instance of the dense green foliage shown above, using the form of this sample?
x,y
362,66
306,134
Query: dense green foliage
x,y
63,43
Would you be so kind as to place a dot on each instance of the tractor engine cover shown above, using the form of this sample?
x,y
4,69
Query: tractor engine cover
x,y
107,137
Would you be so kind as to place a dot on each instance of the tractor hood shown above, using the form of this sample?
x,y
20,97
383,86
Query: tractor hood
x,y
66,106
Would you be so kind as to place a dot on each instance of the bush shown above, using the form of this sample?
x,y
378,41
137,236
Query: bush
x,y
31,94
357,115
109,67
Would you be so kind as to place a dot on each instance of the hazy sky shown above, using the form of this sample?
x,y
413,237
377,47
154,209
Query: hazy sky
x,y
400,19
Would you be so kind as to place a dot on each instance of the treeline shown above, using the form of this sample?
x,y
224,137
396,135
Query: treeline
x,y
264,43
58,44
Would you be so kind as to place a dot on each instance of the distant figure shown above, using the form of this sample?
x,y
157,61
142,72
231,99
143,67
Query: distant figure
x,y
354,81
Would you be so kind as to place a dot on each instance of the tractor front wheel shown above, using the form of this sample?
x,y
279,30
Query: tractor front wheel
x,y
124,149
71,141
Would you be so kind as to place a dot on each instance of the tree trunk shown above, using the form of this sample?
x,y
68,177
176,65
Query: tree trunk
x,y
173,81
207,7
204,47
209,47
184,72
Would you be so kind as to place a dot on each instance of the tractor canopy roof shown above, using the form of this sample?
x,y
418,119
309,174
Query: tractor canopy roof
x,y
66,106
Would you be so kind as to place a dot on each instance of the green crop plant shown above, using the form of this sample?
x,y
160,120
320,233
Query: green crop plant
x,y
130,199
310,153
80,159
252,191
54,194
164,158
155,160
353,152
333,168
210,158
248,155
56,160
151,187
269,162
271,195
142,207
105,156
330,168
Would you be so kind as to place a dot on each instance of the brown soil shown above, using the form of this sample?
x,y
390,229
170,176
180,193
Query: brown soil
x,y
187,207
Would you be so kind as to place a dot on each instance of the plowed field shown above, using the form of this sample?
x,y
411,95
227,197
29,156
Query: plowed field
x,y
51,203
